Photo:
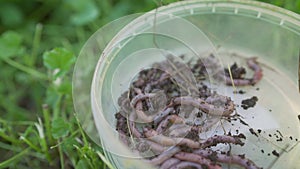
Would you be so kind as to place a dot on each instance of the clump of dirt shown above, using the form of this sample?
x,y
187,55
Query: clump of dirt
x,y
247,103
275,153
236,71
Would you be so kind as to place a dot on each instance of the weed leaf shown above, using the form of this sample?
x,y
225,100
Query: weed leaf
x,y
60,60
60,128
82,164
10,44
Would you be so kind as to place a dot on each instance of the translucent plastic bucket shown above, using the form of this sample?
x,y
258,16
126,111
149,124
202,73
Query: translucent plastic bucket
x,y
243,28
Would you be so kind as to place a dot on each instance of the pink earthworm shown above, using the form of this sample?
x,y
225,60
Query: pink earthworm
x,y
173,119
167,141
169,163
253,64
155,147
156,118
218,98
163,77
217,139
159,117
238,82
141,114
139,109
164,156
186,164
141,97
179,130
197,159
204,106
212,141
229,159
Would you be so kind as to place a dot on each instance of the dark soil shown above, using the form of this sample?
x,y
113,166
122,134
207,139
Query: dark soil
x,y
247,103
236,71
275,153
253,132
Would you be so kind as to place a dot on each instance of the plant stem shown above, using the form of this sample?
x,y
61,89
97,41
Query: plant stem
x,y
61,156
56,110
16,149
104,159
231,78
8,138
36,43
30,144
47,119
20,123
13,159
45,149
81,131
25,69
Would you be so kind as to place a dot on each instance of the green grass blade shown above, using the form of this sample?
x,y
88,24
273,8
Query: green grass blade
x,y
105,160
14,159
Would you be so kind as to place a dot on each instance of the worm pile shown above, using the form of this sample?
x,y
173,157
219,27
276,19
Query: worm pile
x,y
168,108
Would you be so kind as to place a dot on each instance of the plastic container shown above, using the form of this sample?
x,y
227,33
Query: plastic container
x,y
227,28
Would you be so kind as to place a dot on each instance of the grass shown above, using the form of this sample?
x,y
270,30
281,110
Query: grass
x,y
39,42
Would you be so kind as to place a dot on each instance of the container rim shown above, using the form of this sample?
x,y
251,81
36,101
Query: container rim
x,y
251,4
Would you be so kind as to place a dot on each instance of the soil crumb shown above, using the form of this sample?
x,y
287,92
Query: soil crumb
x,y
253,132
236,71
275,153
247,103
241,92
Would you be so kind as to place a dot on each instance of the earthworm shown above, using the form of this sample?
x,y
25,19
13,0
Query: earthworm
x,y
197,159
140,97
163,77
218,98
164,156
159,117
214,140
253,64
142,116
238,82
139,110
169,163
157,148
174,119
179,130
187,164
204,106
167,141
230,159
